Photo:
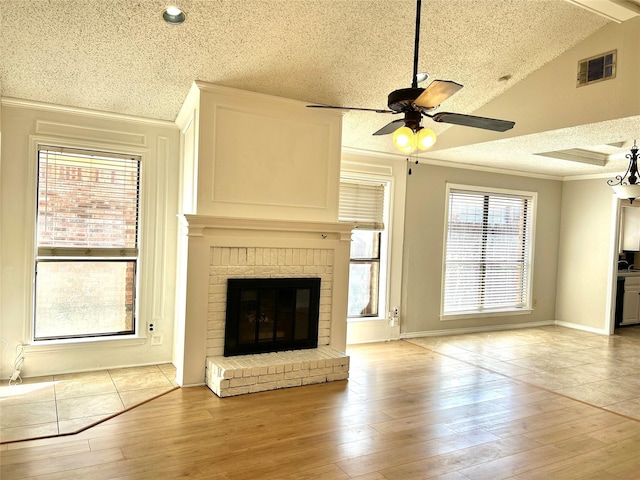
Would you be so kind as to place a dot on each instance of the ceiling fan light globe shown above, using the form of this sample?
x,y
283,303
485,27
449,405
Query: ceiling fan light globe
x,y
404,138
426,138
408,149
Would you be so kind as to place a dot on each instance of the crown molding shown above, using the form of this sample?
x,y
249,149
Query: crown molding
x,y
85,112
442,163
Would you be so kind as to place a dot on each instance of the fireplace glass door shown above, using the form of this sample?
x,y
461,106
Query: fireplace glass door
x,y
266,315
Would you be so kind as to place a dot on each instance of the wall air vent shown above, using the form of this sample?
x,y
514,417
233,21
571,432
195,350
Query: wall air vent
x,y
596,69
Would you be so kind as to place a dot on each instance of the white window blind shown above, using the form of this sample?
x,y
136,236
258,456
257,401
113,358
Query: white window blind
x,y
87,201
487,252
87,239
363,204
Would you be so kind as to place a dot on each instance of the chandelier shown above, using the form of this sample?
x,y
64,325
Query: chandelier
x,y
629,189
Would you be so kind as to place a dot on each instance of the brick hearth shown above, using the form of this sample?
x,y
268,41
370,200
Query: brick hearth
x,y
228,376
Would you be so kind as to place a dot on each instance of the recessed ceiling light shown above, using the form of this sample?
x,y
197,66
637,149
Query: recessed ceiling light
x,y
173,15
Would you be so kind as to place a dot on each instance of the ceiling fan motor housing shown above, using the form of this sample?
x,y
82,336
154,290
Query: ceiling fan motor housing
x,y
402,100
412,120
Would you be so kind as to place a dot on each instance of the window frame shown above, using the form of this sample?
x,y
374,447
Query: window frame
x,y
370,260
47,254
527,308
384,243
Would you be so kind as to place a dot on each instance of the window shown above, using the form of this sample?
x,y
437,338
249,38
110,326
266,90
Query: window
x,y
363,203
87,243
487,251
364,274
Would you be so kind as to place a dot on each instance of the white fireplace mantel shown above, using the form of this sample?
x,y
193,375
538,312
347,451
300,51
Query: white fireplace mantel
x,y
252,248
196,225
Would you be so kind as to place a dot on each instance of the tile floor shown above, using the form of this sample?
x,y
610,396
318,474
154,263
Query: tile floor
x,y
58,404
599,370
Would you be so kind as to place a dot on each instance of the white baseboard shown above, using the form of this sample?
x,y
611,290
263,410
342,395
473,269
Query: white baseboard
x,y
488,328
577,326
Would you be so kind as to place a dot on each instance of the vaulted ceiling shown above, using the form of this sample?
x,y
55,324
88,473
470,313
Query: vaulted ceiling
x,y
120,56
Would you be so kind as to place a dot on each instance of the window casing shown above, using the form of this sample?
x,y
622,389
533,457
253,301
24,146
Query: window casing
x,y
488,251
86,244
364,202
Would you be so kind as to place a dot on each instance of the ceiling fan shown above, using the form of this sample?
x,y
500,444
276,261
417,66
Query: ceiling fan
x,y
417,102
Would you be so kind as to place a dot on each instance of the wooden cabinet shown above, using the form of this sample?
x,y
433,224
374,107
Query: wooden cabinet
x,y
631,301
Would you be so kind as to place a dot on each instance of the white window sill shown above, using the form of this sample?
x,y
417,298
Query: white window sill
x,y
72,343
365,319
493,313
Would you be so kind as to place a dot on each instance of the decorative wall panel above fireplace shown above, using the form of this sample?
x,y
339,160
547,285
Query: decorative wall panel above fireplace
x,y
248,155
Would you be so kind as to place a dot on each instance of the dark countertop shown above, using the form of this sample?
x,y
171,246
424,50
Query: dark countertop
x,y
628,273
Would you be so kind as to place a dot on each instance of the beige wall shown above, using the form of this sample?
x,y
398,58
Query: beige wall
x,y
587,254
576,251
1,212
548,99
25,124
423,247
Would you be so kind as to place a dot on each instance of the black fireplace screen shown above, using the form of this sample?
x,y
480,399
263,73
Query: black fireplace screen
x,y
271,315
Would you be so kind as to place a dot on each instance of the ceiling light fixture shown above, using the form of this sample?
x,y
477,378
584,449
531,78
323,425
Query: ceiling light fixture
x,y
631,188
173,15
408,141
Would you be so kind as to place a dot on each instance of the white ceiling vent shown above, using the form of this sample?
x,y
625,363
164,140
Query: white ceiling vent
x,y
598,68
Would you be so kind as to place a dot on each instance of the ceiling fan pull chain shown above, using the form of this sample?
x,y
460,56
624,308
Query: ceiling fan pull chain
x,y
409,164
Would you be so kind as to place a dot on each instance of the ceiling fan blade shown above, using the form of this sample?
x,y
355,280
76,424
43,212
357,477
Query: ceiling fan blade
x,y
473,121
390,127
436,93
377,110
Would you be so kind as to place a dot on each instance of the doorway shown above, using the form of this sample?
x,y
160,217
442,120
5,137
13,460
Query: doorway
x,y
625,298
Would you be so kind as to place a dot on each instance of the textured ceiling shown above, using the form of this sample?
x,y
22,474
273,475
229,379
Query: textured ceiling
x,y
119,56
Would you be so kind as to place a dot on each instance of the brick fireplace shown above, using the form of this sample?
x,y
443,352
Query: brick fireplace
x,y
260,262
222,248
260,178
268,371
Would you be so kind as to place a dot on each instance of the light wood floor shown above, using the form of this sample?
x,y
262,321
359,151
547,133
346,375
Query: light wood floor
x,y
407,412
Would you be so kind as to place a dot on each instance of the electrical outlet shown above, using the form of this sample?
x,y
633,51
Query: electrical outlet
x,y
151,327
393,316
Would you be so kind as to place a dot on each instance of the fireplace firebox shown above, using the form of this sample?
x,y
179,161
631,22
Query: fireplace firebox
x,y
271,315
